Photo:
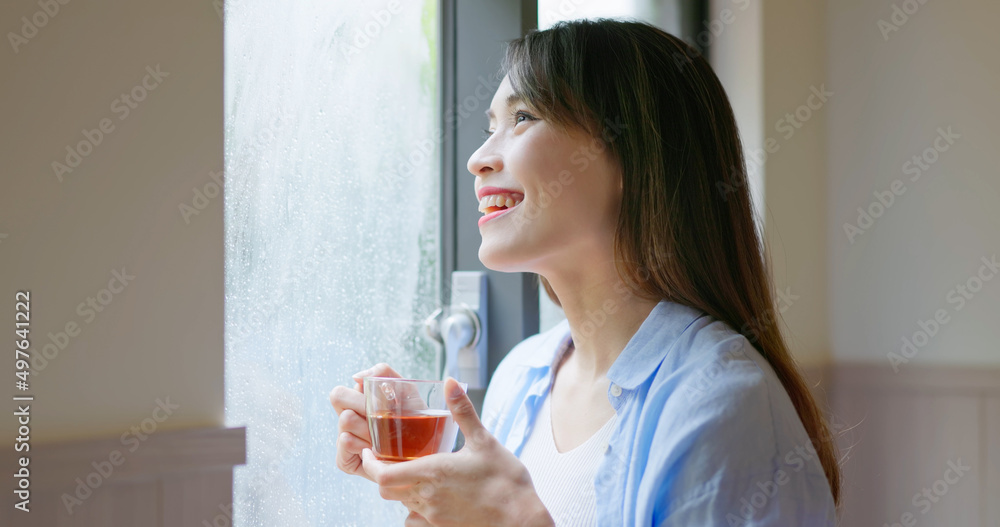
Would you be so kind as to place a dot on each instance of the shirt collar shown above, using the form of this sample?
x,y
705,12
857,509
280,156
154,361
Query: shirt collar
x,y
641,356
556,343
651,342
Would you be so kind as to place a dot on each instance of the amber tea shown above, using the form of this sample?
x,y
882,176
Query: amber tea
x,y
407,418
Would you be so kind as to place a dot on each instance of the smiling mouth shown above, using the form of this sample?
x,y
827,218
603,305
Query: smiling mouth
x,y
497,202
496,205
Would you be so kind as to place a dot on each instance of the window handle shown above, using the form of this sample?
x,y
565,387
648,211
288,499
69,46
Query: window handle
x,y
460,328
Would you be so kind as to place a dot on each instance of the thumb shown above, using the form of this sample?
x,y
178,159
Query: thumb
x,y
464,412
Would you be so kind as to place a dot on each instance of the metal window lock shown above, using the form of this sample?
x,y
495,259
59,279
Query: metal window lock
x,y
461,329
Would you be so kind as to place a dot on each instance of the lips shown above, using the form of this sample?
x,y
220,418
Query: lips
x,y
494,214
496,201
487,191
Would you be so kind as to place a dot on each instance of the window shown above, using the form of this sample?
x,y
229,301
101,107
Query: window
x,y
332,235
348,205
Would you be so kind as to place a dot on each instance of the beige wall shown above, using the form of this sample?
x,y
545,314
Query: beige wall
x,y
770,57
938,70
893,94
858,296
795,119
161,335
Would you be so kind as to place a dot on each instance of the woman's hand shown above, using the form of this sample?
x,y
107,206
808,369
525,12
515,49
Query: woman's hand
x,y
482,484
352,426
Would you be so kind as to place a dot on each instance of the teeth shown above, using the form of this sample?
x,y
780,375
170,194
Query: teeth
x,y
497,200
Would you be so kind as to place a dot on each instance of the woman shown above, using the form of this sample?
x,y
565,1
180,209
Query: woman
x,y
613,169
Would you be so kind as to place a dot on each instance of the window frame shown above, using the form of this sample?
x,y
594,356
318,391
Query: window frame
x,y
470,31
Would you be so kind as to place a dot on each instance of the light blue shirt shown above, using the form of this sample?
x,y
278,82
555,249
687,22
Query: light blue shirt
x,y
706,434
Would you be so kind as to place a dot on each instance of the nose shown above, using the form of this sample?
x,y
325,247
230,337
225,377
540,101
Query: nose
x,y
484,162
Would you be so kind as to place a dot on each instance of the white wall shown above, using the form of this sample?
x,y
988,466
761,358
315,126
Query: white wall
x,y
160,336
938,70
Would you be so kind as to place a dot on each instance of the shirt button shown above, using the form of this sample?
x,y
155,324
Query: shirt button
x,y
616,390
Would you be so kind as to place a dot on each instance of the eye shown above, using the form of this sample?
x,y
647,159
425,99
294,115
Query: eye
x,y
521,113
515,115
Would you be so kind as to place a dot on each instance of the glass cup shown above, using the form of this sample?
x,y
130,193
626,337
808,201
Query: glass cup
x,y
408,418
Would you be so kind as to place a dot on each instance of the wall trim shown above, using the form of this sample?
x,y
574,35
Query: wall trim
x,y
160,454
902,427
173,478
980,380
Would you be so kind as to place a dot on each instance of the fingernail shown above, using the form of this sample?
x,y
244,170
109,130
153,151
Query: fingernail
x,y
361,374
456,391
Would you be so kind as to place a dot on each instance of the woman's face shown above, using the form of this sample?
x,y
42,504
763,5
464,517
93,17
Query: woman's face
x,y
564,188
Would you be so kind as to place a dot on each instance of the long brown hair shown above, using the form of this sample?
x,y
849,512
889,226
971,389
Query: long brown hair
x,y
686,229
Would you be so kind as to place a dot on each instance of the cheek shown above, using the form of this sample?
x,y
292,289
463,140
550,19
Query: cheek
x,y
592,197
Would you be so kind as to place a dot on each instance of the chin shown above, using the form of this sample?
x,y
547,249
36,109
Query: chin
x,y
496,258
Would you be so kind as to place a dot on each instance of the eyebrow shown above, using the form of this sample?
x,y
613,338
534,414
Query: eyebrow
x,y
510,100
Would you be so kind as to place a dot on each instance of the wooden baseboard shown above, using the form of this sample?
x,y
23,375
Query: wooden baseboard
x,y
170,479
901,433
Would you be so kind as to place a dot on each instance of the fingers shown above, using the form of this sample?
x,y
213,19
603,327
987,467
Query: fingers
x,y
399,483
396,493
433,470
373,467
352,422
353,434
416,520
344,398
465,414
379,370
392,475
351,443
348,459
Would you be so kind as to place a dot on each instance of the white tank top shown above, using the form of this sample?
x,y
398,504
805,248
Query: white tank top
x,y
565,481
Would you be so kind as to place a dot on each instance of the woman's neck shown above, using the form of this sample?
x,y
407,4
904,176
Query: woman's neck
x,y
603,316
